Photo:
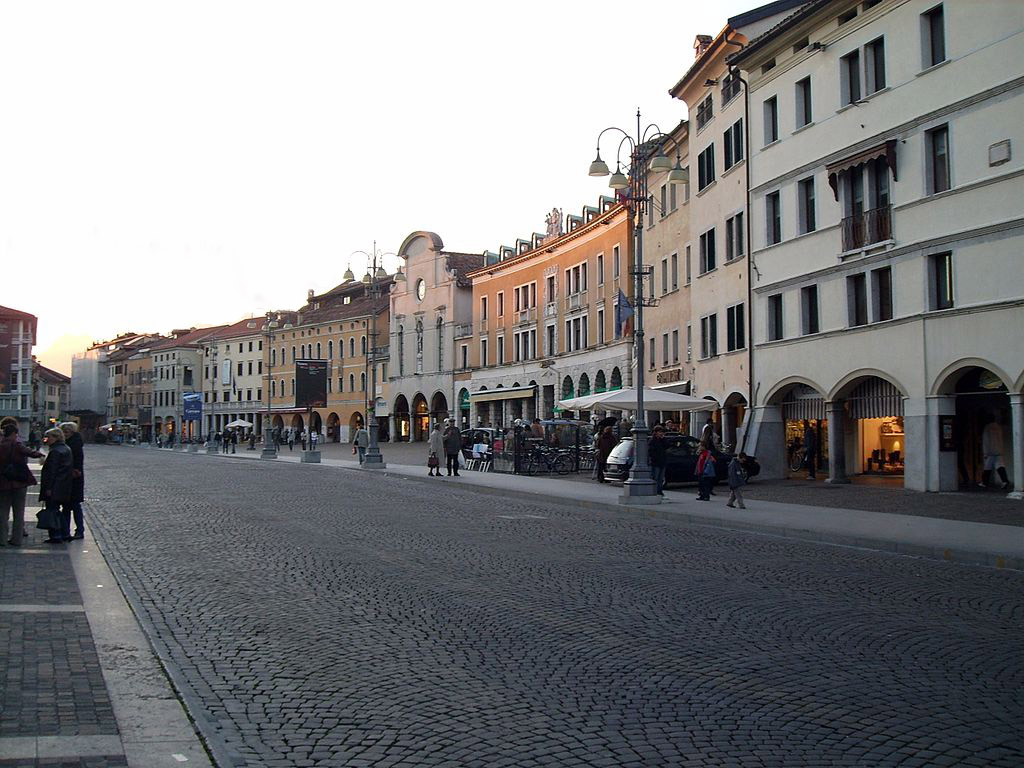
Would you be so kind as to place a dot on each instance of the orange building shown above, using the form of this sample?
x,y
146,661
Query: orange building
x,y
335,326
544,317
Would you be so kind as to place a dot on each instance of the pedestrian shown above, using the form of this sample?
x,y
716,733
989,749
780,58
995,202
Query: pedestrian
x,y
810,449
657,456
15,479
73,441
708,438
737,479
234,440
252,440
992,452
605,443
361,442
706,473
302,438
452,447
291,439
537,429
314,439
435,452
55,490
33,440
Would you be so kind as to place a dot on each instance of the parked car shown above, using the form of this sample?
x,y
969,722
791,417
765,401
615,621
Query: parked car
x,y
681,460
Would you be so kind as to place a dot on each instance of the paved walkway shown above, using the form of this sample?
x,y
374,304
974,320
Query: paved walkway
x,y
81,685
945,536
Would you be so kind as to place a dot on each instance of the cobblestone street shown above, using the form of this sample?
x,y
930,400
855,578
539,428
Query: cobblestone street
x,y
317,616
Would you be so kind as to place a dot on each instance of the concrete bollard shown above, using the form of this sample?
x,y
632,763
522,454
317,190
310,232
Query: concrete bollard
x,y
311,457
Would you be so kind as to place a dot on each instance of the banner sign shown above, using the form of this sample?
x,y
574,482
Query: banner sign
x,y
193,405
311,383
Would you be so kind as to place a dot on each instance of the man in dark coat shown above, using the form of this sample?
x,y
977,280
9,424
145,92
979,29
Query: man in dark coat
x,y
55,486
452,446
810,449
73,441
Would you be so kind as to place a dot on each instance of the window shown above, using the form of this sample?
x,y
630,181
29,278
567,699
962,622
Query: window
x,y
675,346
362,345
848,16
664,276
849,74
674,258
881,280
733,139
352,346
771,120
707,251
464,356
709,336
706,167
937,143
772,218
330,349
549,340
775,328
940,268
664,349
600,269
249,367
800,44
483,308
735,329
651,362
689,342
483,353
730,86
549,287
809,310
933,37
362,382
672,197
734,237
615,262
600,327
857,300
705,111
664,200
351,383
874,65
805,194
501,303
501,350
803,103
688,267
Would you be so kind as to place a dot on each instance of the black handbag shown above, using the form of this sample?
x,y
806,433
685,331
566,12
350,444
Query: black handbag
x,y
46,519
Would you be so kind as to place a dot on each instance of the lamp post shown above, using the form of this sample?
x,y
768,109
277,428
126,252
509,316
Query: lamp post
x,y
374,286
269,447
631,191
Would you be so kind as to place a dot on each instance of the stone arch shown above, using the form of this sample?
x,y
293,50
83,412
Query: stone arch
x,y
583,388
316,423
438,406
333,427
568,390
778,392
298,422
355,421
278,422
600,382
947,379
402,419
851,380
420,417
616,379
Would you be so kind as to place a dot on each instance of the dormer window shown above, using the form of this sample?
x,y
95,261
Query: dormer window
x,y
347,300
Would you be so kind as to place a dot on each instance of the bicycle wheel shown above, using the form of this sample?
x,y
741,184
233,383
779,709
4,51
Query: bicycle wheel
x,y
531,467
797,461
563,464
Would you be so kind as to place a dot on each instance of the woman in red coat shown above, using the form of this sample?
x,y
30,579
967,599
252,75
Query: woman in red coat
x,y
15,479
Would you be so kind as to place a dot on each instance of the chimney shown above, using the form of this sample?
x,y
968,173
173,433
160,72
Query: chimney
x,y
700,44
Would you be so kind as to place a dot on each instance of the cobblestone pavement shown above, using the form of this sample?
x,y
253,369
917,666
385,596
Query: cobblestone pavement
x,y
324,617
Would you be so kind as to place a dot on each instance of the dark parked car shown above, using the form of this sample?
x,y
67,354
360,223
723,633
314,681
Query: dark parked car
x,y
681,464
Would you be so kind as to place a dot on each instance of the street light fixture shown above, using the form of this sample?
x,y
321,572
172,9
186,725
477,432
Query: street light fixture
x,y
269,447
374,286
631,187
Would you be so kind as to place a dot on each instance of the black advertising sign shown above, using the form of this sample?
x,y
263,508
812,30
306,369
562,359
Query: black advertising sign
x,y
947,434
311,383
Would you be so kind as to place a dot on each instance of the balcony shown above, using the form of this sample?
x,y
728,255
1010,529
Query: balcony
x,y
575,301
528,315
868,228
463,330
550,309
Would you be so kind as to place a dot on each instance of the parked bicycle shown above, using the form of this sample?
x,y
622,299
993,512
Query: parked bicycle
x,y
543,461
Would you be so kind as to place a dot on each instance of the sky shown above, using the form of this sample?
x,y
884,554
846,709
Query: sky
x,y
169,165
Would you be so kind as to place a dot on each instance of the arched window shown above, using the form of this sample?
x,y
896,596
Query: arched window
x,y
352,346
362,344
293,354
284,360
293,387
330,349
440,344
318,350
273,357
273,388
281,388
401,350
362,382
351,382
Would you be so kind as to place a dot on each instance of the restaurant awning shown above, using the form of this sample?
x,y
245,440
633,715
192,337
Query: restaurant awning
x,y
885,150
502,393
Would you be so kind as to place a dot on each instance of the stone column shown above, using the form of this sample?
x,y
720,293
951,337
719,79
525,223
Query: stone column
x,y
836,443
1017,456
767,440
941,465
728,425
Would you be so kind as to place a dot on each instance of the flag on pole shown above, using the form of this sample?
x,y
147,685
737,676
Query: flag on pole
x,y
623,313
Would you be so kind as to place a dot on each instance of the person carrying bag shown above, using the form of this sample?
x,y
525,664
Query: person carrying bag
x,y
15,479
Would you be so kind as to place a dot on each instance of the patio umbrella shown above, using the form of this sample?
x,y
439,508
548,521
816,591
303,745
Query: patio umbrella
x,y
625,400
238,423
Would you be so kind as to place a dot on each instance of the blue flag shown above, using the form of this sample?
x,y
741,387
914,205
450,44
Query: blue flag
x,y
623,312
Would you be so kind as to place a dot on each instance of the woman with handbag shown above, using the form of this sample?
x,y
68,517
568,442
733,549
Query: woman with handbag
x,y
15,479
56,488
435,452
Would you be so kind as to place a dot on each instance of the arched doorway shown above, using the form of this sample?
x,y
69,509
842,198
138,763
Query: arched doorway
x,y
732,413
355,422
464,408
980,426
403,421
802,409
616,382
420,418
438,407
866,418
298,423
278,422
333,427
316,423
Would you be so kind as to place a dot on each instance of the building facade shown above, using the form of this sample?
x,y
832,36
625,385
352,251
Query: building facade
x,y
233,377
544,319
887,239
50,397
430,325
177,371
97,381
17,338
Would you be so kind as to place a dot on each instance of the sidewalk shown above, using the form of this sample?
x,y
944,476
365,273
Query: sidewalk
x,y
82,686
1000,546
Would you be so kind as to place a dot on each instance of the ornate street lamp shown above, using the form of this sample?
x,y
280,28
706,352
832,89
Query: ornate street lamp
x,y
374,286
631,190
269,447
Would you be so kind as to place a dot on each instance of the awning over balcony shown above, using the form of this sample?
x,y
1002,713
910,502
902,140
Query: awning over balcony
x,y
886,150
504,393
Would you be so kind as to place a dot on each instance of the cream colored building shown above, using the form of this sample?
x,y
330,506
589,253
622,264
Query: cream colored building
x,y
886,188
233,377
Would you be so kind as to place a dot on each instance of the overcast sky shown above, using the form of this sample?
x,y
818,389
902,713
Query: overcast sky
x,y
166,165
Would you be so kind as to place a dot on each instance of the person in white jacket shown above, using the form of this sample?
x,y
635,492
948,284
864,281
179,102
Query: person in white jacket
x,y
992,451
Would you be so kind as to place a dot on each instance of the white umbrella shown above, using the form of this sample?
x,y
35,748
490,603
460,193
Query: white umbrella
x,y
238,423
625,400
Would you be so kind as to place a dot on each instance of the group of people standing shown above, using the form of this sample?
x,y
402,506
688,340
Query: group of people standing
x,y
61,483
448,444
